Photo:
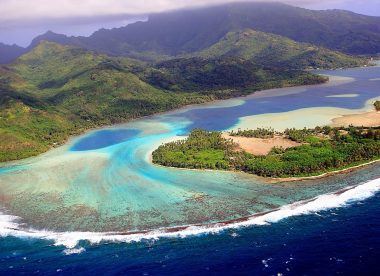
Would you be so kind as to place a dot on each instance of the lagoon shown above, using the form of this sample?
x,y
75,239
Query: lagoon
x,y
103,181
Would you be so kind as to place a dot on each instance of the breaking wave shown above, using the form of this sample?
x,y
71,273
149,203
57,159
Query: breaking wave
x,y
11,226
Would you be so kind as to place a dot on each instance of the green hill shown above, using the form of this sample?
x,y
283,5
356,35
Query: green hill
x,y
224,76
56,91
276,51
247,60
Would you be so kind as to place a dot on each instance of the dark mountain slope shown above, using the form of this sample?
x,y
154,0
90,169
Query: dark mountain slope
x,y
247,60
9,53
187,31
224,77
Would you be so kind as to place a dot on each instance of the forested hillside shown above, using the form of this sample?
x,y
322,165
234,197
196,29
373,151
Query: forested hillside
x,y
55,91
264,49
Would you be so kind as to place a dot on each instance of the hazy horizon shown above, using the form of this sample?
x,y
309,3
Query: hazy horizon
x,y
21,21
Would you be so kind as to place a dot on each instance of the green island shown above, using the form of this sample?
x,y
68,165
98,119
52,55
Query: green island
x,y
320,150
55,91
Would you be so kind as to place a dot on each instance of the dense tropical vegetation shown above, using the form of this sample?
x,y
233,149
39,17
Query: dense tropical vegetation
x,y
224,77
377,105
269,50
201,150
254,133
322,150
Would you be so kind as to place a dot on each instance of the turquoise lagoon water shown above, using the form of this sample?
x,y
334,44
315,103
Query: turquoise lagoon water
x,y
104,181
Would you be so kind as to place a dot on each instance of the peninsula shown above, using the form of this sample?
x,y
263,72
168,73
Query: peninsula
x,y
264,152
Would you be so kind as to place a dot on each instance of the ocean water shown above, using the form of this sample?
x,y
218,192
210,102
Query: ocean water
x,y
98,205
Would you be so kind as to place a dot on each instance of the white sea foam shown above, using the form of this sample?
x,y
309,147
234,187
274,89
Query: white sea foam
x,y
72,251
343,96
10,226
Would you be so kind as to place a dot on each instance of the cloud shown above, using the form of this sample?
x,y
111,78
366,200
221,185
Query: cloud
x,y
22,20
13,10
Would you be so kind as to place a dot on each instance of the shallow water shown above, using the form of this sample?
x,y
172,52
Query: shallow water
x,y
104,181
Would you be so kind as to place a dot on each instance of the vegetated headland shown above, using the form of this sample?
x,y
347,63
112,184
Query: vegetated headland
x,y
313,152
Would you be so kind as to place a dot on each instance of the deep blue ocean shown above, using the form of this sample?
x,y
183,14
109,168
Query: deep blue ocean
x,y
337,241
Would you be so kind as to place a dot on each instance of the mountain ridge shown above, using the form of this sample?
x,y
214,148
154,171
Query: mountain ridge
x,y
190,30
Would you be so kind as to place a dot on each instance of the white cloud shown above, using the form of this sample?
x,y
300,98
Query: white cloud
x,y
11,10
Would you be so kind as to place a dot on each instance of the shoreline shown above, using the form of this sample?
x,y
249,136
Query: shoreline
x,y
331,80
184,108
367,119
321,176
276,180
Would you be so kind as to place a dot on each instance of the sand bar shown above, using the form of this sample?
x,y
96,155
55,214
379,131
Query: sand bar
x,y
368,119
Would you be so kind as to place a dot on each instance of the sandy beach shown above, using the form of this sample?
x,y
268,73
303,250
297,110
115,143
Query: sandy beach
x,y
258,146
368,119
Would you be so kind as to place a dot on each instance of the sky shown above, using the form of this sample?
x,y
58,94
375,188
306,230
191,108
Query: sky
x,y
22,20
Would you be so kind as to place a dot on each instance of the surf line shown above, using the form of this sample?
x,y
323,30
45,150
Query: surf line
x,y
9,225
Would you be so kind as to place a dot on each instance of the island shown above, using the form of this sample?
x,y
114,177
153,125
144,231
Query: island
x,y
267,153
56,91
